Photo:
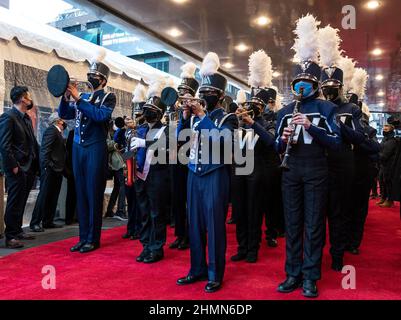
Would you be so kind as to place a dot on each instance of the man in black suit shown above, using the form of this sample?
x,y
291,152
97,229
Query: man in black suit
x,y
20,153
52,164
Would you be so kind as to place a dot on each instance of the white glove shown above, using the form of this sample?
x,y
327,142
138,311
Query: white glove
x,y
138,143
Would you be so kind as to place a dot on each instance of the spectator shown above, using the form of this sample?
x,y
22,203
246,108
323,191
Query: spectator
x,y
20,153
387,156
52,164
116,164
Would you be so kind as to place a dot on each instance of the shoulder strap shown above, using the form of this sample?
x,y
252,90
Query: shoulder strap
x,y
224,119
105,97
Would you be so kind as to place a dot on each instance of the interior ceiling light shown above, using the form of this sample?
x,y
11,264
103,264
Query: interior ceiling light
x,y
174,32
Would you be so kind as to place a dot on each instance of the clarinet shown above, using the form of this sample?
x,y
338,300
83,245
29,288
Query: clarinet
x,y
284,164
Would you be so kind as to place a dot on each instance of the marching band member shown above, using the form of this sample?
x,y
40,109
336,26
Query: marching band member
x,y
310,131
189,85
152,181
208,180
341,162
365,156
246,193
134,216
92,115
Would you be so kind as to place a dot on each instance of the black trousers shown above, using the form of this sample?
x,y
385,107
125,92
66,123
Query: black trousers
x,y
385,183
18,188
246,206
304,189
118,192
46,203
362,182
134,215
272,204
179,176
341,177
152,199
71,201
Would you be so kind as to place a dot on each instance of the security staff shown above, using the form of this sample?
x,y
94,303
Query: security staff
x,y
189,85
208,181
92,113
311,131
151,142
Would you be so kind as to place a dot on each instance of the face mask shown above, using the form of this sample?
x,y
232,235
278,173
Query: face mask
x,y
308,88
255,108
94,82
387,133
64,125
331,93
211,102
150,116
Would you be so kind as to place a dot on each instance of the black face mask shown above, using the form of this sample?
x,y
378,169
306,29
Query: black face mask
x,y
94,82
387,133
211,101
64,126
29,106
331,93
150,116
256,110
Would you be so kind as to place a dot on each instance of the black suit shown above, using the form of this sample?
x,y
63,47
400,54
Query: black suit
x,y
52,163
18,148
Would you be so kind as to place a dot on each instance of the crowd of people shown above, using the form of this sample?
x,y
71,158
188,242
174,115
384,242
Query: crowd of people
x,y
314,161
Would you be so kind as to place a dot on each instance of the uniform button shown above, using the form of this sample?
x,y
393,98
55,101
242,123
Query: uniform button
x,y
200,151
82,140
199,169
83,125
82,132
84,118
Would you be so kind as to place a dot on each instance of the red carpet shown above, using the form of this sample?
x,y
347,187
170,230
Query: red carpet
x,y
112,273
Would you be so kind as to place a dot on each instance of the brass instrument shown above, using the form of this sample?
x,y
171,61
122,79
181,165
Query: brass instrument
x,y
284,163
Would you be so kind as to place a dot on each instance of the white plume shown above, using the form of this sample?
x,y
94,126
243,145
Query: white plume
x,y
365,109
359,82
188,70
241,97
170,82
329,46
260,70
306,43
210,64
156,86
347,65
99,56
139,94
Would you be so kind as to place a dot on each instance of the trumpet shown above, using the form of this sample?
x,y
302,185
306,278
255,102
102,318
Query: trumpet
x,y
58,81
182,101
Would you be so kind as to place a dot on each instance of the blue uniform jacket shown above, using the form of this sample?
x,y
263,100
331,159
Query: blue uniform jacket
x,y
218,120
91,117
324,133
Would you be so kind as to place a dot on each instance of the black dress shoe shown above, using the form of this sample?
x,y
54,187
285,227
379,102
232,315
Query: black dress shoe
x,y
37,228
238,257
78,246
52,226
14,244
272,243
289,285
153,257
354,251
190,279
142,256
88,247
309,289
136,236
251,258
184,244
212,286
337,264
24,236
175,244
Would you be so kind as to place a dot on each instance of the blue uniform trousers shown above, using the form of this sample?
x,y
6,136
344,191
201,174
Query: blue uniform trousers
x,y
207,200
89,166
304,189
